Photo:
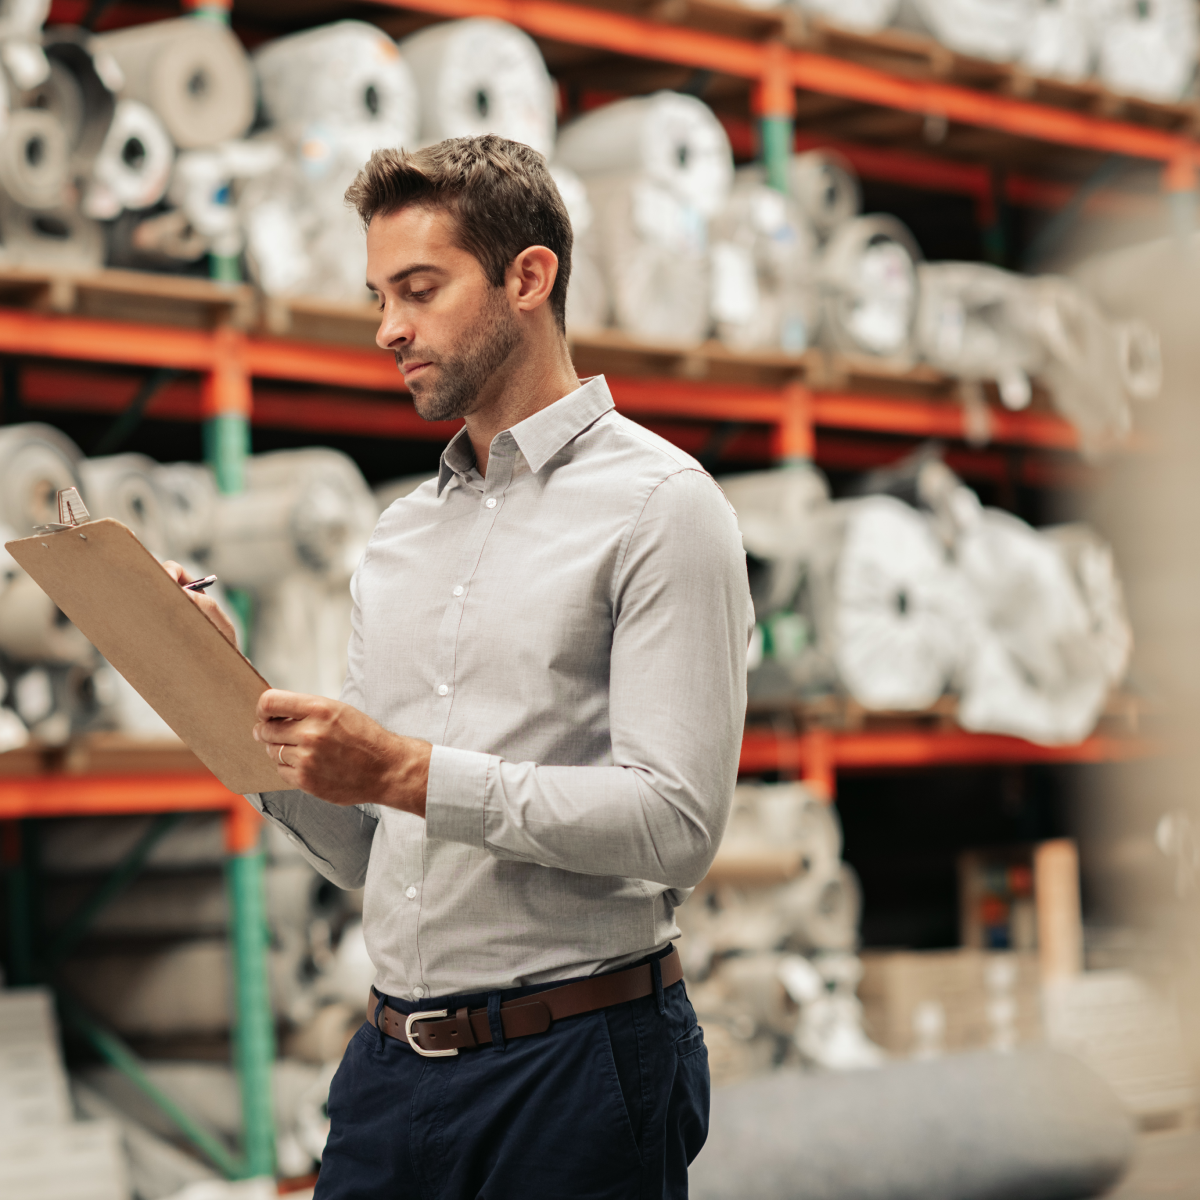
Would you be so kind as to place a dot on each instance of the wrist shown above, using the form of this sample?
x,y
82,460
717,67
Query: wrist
x,y
408,780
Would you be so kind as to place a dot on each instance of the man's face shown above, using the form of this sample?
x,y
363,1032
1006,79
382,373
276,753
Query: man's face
x,y
450,330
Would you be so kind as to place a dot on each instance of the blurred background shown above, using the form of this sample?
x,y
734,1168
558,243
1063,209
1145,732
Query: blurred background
x,y
916,280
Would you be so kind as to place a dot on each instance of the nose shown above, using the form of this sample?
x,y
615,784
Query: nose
x,y
395,330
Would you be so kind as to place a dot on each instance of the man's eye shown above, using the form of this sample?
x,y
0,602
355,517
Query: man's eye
x,y
421,294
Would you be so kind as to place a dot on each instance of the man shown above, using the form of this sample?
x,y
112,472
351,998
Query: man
x,y
541,723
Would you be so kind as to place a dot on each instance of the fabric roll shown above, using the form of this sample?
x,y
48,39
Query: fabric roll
x,y
1059,42
764,286
187,495
1033,666
868,279
995,29
346,73
824,918
23,18
482,76
36,463
122,486
302,511
588,303
76,94
1090,561
32,630
1139,352
899,607
1032,1125
193,73
1147,48
825,187
863,16
973,321
1083,366
654,254
35,159
669,139
133,166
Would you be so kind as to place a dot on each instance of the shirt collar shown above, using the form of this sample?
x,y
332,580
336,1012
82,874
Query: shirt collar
x,y
540,436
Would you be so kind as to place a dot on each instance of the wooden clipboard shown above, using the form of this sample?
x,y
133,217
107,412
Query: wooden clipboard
x,y
116,592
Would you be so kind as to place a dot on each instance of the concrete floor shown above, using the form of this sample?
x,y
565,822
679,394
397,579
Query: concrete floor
x,y
1167,1167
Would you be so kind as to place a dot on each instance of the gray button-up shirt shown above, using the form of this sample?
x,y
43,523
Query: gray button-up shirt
x,y
570,633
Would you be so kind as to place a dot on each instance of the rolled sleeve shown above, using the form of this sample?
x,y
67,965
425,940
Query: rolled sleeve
x,y
456,796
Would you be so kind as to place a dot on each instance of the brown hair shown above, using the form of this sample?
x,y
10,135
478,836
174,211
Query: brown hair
x,y
500,193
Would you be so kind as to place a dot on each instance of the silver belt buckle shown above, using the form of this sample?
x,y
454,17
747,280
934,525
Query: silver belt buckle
x,y
412,1019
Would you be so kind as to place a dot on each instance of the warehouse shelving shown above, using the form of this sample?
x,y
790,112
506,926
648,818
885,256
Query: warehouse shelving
x,y
901,112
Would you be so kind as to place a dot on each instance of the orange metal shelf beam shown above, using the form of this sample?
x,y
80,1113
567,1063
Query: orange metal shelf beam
x,y
639,38
763,750
56,795
87,339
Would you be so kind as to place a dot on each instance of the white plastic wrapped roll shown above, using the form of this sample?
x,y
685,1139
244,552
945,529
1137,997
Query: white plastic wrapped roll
x,y
482,76
59,237
1059,42
35,159
653,250
1033,667
974,321
75,94
764,286
1139,352
1083,367
863,16
301,511
31,627
301,631
36,463
193,73
187,495
588,304
825,187
828,918
899,607
122,486
23,18
346,73
134,164
1090,560
868,276
994,29
1147,48
668,138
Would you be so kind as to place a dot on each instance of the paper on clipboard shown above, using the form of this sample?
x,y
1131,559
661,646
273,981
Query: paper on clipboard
x,y
116,592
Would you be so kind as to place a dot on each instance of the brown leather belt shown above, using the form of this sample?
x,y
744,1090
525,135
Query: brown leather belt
x,y
441,1038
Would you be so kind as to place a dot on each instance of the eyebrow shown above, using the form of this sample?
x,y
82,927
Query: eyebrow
x,y
400,276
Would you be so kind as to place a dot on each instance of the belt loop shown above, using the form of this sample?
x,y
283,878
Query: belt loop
x,y
379,1019
656,977
494,1022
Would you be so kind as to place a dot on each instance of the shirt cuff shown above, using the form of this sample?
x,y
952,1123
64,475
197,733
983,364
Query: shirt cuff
x,y
456,795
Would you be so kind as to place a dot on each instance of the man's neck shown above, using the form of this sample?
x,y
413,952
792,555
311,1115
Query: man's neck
x,y
528,383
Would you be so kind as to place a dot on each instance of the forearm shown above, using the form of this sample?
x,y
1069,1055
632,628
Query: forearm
x,y
333,839
590,820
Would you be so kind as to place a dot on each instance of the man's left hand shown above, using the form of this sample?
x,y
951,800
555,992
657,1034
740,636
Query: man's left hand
x,y
338,754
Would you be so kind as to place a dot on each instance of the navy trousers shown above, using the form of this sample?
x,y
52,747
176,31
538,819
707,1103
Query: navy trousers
x,y
609,1105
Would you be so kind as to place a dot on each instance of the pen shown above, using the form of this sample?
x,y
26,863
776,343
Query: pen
x,y
198,585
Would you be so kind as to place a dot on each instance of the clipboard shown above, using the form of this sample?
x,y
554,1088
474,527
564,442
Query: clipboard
x,y
116,592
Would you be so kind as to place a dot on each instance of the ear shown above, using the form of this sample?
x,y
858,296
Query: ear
x,y
531,277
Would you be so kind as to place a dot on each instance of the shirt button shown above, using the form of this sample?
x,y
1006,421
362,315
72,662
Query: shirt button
x,y
490,502
418,992
458,591
443,690
411,893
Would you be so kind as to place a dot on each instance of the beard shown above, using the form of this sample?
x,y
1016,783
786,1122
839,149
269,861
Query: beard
x,y
461,376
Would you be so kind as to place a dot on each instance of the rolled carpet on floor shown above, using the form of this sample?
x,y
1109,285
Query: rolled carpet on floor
x,y
1035,1125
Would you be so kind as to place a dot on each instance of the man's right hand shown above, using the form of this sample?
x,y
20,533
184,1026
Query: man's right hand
x,y
205,604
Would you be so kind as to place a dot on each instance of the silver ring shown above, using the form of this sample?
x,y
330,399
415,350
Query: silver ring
x,y
279,756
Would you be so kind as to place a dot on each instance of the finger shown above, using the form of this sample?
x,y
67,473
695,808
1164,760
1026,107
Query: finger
x,y
275,702
278,733
175,571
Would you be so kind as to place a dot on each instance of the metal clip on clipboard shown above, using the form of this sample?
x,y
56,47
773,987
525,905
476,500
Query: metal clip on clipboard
x,y
71,512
